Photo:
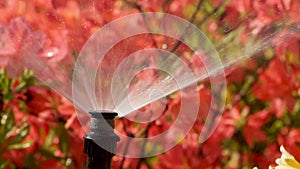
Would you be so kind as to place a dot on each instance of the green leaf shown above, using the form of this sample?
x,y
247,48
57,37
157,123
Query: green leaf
x,y
21,135
208,8
6,164
9,121
7,126
27,78
63,139
21,87
19,145
30,162
3,164
152,160
295,117
14,128
168,118
48,152
49,138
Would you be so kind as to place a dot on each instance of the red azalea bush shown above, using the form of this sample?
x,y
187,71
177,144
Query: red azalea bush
x,y
40,128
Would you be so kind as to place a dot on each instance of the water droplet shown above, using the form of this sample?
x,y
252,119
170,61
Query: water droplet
x,y
164,46
50,54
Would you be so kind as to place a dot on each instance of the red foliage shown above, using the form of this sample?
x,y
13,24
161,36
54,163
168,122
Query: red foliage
x,y
262,109
253,128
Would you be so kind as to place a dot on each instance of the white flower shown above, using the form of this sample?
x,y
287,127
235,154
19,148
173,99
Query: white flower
x,y
286,161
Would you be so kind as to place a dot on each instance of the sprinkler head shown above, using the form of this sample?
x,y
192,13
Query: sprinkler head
x,y
102,130
102,123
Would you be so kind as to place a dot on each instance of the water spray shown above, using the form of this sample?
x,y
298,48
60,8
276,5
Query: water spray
x,y
100,87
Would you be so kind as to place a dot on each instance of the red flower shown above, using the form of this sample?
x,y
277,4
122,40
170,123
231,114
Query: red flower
x,y
268,157
253,128
290,140
276,82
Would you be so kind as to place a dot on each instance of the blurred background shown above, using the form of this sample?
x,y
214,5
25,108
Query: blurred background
x,y
39,128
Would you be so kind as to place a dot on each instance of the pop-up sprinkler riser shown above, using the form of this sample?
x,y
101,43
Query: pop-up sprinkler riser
x,y
100,144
